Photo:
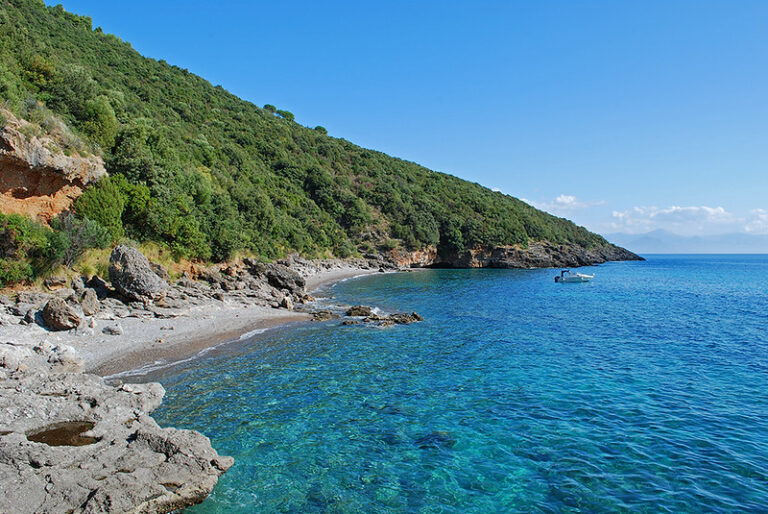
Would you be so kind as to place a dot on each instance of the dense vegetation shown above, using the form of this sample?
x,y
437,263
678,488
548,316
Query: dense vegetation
x,y
208,174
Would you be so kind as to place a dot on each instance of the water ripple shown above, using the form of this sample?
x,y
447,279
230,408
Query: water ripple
x,y
642,391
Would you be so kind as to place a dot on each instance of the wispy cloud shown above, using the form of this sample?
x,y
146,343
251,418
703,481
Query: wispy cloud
x,y
562,205
688,220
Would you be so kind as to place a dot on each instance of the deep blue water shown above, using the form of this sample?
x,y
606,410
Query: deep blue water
x,y
645,390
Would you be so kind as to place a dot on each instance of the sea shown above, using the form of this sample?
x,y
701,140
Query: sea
x,y
645,390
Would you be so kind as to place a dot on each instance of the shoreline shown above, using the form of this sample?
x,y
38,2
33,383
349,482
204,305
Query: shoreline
x,y
192,337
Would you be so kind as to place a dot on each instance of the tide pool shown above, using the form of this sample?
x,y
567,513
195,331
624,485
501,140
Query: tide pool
x,y
645,390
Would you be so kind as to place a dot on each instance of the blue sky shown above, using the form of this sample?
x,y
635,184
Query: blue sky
x,y
623,116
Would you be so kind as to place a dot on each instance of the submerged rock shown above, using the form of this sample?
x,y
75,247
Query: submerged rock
x,y
439,439
59,315
133,277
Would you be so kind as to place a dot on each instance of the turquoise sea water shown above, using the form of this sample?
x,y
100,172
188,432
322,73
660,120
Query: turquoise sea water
x,y
645,390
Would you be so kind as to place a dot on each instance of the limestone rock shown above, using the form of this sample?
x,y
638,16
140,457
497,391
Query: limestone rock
x,y
133,277
90,302
59,315
283,277
71,443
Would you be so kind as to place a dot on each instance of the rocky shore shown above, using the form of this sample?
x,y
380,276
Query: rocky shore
x,y
69,441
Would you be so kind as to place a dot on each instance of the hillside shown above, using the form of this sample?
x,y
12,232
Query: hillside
x,y
197,169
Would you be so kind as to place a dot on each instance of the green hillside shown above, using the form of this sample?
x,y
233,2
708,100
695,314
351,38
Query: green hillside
x,y
206,173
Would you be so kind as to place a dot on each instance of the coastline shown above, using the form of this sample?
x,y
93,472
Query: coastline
x,y
193,335
149,343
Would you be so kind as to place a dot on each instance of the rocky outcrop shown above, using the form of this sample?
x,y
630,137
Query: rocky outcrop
x,y
536,255
71,443
37,178
283,277
416,259
133,277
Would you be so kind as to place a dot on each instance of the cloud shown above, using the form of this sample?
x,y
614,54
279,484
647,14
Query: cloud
x,y
688,220
562,205
757,222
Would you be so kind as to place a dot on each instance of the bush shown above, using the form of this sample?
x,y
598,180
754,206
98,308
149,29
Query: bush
x,y
104,204
71,237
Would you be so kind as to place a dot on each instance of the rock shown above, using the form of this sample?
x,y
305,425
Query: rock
x,y
4,300
78,285
36,179
90,302
20,309
160,271
113,330
359,310
55,282
404,319
132,276
351,322
58,315
66,294
287,303
65,359
324,315
71,443
282,277
35,298
99,285
29,317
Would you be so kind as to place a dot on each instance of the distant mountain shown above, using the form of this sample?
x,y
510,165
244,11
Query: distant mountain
x,y
662,241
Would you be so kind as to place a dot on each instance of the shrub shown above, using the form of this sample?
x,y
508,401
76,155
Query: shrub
x,y
104,204
71,237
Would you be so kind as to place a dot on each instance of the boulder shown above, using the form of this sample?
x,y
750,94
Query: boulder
x,y
113,330
287,303
133,277
59,315
90,302
283,277
359,310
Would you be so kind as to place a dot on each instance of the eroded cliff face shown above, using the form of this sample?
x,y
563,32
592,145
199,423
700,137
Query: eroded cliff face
x,y
536,255
37,179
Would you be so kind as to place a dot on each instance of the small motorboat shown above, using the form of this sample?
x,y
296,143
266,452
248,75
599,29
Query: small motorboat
x,y
567,276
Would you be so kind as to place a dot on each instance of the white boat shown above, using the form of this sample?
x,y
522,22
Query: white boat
x,y
567,276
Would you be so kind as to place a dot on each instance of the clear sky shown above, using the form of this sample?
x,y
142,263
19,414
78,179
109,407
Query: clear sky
x,y
623,116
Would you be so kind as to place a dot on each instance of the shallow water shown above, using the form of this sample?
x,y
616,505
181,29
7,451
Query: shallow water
x,y
646,389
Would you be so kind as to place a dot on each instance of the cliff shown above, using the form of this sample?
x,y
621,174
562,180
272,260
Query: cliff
x,y
536,255
37,178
